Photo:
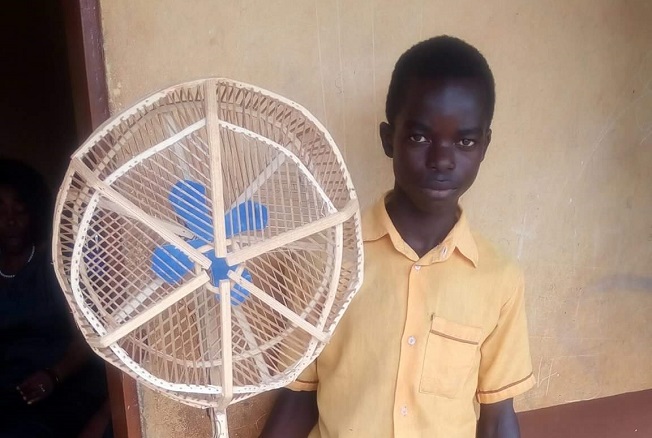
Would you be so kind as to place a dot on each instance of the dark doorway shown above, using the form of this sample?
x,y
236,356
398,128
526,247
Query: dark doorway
x,y
54,95
37,116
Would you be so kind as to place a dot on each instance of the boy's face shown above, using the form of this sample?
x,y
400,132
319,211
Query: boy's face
x,y
438,140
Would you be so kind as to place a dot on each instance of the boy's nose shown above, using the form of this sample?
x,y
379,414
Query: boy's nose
x,y
441,157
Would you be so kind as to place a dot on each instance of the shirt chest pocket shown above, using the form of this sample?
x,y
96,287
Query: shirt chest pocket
x,y
450,356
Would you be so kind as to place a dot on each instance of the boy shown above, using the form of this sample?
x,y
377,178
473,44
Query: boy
x,y
439,319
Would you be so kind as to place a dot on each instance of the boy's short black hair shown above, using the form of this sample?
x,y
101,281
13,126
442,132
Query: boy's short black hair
x,y
438,57
33,191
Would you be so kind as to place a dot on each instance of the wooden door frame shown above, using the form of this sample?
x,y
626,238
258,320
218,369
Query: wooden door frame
x,y
83,25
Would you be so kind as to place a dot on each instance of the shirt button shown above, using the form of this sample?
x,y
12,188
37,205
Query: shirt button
x,y
444,251
412,340
417,267
404,410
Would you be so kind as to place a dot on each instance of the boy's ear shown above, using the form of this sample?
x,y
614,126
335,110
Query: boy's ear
x,y
386,137
486,145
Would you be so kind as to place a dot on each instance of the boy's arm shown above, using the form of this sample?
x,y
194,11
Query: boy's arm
x,y
505,366
498,420
293,416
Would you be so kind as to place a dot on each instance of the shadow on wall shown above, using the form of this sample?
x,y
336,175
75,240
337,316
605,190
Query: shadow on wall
x,y
621,282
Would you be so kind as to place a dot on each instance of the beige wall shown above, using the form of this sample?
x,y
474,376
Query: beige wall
x,y
566,186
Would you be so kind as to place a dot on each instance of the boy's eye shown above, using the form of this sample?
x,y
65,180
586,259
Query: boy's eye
x,y
418,138
466,143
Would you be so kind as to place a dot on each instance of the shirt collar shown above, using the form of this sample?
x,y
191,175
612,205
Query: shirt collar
x,y
376,224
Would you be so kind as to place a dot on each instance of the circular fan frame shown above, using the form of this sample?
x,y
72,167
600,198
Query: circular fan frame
x,y
209,192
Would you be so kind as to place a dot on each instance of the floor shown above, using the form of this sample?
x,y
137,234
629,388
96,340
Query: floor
x,y
621,416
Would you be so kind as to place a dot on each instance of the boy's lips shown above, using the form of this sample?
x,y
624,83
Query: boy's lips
x,y
439,185
439,190
436,193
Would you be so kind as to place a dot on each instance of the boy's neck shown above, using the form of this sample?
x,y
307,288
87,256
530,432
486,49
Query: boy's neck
x,y
422,231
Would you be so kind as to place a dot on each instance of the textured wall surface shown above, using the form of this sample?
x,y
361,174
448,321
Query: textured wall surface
x,y
565,187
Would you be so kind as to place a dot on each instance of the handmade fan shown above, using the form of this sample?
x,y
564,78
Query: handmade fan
x,y
208,241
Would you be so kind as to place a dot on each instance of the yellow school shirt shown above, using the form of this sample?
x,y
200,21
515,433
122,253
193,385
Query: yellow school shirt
x,y
422,339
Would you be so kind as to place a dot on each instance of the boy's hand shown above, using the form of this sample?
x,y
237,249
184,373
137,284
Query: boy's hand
x,y
498,420
294,415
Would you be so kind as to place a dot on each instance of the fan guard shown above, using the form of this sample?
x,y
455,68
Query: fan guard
x,y
206,193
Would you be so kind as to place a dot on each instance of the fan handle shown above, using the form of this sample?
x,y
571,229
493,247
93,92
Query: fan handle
x,y
220,426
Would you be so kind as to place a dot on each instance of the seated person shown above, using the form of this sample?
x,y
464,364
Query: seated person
x,y
50,381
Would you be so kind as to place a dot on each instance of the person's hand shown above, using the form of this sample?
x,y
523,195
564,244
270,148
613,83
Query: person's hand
x,y
36,387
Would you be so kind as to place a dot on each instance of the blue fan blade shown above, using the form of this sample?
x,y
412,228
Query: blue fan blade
x,y
170,263
93,258
247,216
188,199
239,294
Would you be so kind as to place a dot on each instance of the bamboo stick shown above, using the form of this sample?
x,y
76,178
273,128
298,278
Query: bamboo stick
x,y
298,233
280,308
215,153
227,347
139,214
156,309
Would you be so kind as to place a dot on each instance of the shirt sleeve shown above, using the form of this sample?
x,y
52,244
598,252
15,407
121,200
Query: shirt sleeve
x,y
506,365
307,380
